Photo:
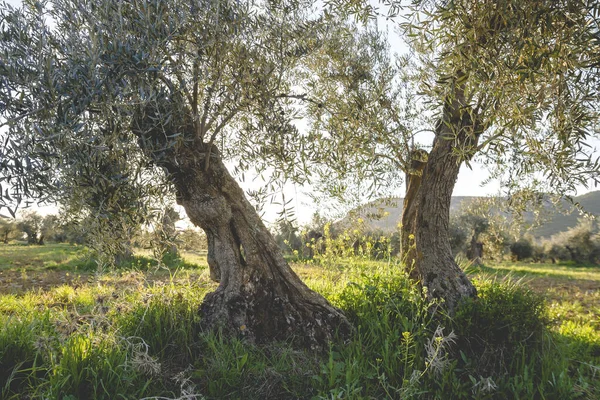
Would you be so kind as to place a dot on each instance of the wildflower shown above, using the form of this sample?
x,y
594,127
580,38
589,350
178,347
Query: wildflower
x,y
435,347
484,385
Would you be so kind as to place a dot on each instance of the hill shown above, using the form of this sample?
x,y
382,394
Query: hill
x,y
385,214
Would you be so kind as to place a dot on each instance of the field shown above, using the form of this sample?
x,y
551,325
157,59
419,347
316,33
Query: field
x,y
69,331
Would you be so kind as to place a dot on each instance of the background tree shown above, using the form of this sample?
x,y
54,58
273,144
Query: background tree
x,y
193,240
30,224
48,229
580,244
522,249
287,237
177,87
7,229
107,196
512,83
166,234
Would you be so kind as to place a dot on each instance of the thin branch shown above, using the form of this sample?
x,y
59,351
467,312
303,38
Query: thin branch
x,y
20,117
397,162
489,140
222,124
304,97
204,126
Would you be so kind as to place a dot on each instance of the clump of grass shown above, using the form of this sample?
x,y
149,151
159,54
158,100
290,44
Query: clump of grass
x,y
167,320
95,367
233,368
20,361
505,318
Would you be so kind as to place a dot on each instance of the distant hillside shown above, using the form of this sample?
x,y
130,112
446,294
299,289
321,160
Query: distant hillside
x,y
559,222
385,214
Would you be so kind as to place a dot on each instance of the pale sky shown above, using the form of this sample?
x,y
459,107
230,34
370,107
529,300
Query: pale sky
x,y
468,184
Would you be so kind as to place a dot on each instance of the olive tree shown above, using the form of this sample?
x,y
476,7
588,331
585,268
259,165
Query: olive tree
x,y
176,88
7,229
31,224
510,83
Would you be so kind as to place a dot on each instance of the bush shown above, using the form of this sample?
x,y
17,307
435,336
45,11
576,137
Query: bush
x,y
495,328
580,244
521,249
192,240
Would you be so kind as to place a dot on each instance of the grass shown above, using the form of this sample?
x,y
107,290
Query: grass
x,y
133,334
36,258
560,271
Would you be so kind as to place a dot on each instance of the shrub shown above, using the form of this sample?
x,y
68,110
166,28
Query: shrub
x,y
521,249
580,244
493,329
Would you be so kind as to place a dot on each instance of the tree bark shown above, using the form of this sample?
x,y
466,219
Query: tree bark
x,y
427,214
409,211
259,297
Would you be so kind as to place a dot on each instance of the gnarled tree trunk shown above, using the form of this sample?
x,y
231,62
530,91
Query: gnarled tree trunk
x,y
259,296
427,213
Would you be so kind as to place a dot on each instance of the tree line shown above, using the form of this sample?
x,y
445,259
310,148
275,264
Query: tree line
x,y
163,237
478,234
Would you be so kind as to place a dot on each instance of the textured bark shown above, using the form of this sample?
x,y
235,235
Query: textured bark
x,y
259,296
434,262
409,210
428,212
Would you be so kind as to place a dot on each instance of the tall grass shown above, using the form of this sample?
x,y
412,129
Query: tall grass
x,y
104,340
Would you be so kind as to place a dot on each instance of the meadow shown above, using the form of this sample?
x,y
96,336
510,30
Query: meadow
x,y
71,331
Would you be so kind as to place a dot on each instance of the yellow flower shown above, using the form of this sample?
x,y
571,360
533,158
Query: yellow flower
x,y
243,328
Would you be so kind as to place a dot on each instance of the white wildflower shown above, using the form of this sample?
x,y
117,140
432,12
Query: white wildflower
x,y
484,385
436,348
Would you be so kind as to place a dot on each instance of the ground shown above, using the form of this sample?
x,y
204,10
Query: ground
x,y
139,322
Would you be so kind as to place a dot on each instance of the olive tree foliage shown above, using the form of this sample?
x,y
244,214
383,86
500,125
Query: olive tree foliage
x,y
7,229
528,73
96,63
173,89
511,83
365,114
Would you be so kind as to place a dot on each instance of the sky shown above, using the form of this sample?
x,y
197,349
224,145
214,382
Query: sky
x,y
469,180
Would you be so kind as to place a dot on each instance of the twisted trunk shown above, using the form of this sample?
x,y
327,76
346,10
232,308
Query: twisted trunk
x,y
475,251
259,296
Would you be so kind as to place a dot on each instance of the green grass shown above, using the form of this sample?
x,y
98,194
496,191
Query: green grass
x,y
133,333
46,257
565,271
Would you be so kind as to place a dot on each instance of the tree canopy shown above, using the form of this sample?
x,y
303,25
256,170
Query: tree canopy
x,y
96,65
